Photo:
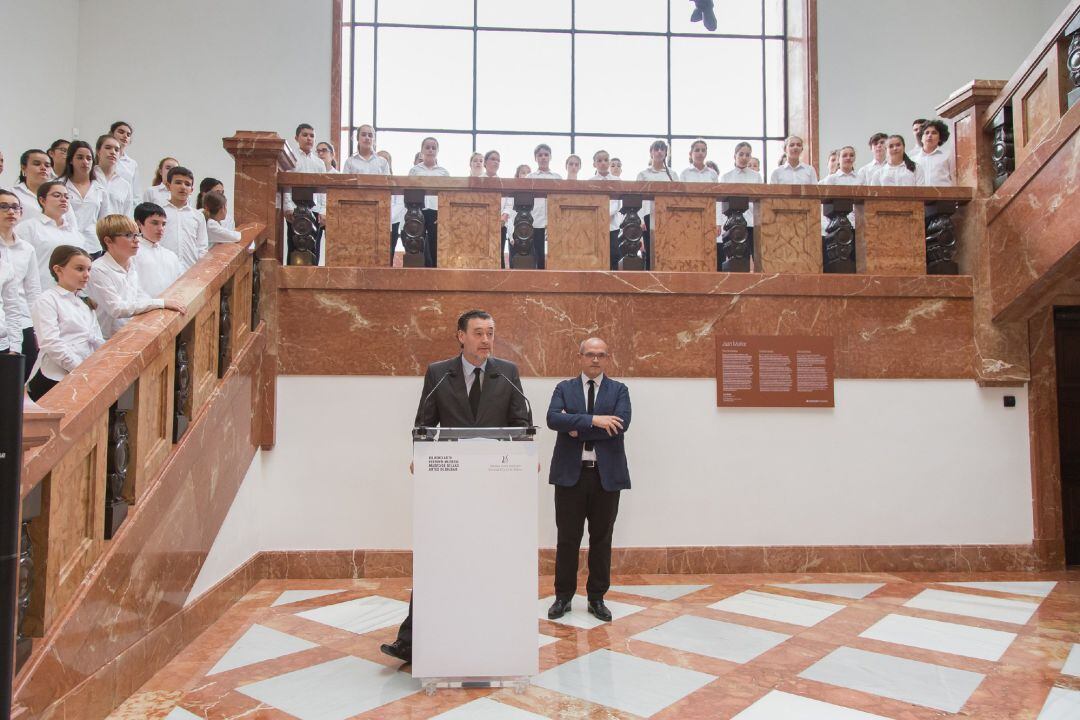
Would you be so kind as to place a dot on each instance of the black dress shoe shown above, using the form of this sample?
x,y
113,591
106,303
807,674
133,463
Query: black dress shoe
x,y
398,649
600,610
558,609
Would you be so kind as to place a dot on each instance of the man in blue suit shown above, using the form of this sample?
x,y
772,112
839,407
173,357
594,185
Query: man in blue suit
x,y
591,413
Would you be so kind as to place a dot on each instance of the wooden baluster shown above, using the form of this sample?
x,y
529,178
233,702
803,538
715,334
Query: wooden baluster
x,y
735,235
1003,150
838,242
182,385
521,240
119,453
631,234
940,239
256,291
413,231
1072,61
224,330
305,228
31,508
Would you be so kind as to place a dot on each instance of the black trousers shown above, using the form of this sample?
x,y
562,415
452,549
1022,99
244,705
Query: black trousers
x,y
587,500
646,241
540,247
404,633
613,241
29,351
290,241
431,250
39,385
393,241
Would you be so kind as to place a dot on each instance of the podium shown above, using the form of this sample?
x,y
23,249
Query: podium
x,y
475,557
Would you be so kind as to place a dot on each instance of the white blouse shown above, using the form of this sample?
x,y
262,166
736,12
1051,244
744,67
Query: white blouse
x,y
539,211
44,235
121,195
127,168
614,206
705,175
118,294
67,332
938,168
217,233
801,174
431,202
650,175
740,175
24,266
866,173
897,176
10,332
88,209
158,194
158,267
375,165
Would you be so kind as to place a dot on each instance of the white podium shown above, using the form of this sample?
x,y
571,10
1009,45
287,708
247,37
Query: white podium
x,y
475,557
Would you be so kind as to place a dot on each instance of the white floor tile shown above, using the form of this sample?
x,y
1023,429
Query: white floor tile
x,y
361,615
777,705
579,615
1072,663
781,608
179,713
1026,587
939,636
659,592
855,591
910,681
1061,704
258,644
291,596
546,640
1017,612
726,641
485,709
623,682
334,690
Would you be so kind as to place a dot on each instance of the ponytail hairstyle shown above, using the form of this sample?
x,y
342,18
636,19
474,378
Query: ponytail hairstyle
x,y
206,186
696,141
73,148
61,255
908,162
661,145
24,159
158,179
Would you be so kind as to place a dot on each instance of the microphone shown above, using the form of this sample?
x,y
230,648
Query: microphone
x,y
423,403
496,374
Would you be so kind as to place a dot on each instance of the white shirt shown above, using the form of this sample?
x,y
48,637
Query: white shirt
x,y
121,195
127,168
158,267
539,211
590,454
897,176
308,163
118,294
67,332
44,235
374,165
88,210
614,206
185,234
10,332
23,261
801,174
431,202
650,175
158,194
839,178
938,167
468,368
866,172
705,175
217,233
739,175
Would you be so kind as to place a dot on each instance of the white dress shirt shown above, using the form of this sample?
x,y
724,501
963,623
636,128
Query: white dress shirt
x,y
185,234
217,233
127,168
10,332
739,175
866,172
590,454
650,175
158,267
938,167
614,205
44,235
88,210
118,294
801,174
839,178
374,165
308,163
67,332
431,202
897,176
24,266
158,194
704,175
468,369
121,195
539,211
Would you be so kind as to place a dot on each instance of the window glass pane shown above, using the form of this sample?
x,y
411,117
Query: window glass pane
x,y
363,77
633,151
425,78
346,75
774,88
733,17
517,150
454,150
427,12
702,92
523,81
524,14
774,17
635,15
721,152
621,84
364,9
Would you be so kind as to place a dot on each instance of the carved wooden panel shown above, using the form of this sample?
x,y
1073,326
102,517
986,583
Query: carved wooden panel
x,y
787,236
684,233
241,307
469,230
890,238
357,228
1038,104
204,354
577,232
151,422
70,532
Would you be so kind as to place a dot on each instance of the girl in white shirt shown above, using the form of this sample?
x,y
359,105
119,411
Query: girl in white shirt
x,y
34,169
698,170
898,170
791,170
938,166
66,326
51,229
58,153
492,163
119,185
88,197
657,171
126,165
834,162
397,207
19,255
573,167
214,207
158,192
10,335
741,173
755,164
429,166
328,154
616,167
476,165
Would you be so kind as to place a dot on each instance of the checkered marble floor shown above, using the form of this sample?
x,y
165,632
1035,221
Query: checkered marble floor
x,y
906,646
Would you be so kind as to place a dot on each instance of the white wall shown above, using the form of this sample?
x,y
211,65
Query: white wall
x,y
883,63
40,44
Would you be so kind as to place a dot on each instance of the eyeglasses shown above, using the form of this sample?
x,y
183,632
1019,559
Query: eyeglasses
x,y
129,236
595,355
58,196
4,207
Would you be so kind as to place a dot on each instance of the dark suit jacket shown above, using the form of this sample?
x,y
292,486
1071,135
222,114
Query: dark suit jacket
x,y
613,398
500,404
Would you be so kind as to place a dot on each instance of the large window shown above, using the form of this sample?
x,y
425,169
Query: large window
x,y
580,75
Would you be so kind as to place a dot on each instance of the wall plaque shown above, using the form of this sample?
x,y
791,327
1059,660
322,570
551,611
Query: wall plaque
x,y
774,371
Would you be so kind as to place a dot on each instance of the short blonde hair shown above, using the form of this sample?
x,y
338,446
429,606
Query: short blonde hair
x,y
113,225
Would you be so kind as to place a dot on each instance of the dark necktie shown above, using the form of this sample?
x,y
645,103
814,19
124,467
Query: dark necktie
x,y
589,407
474,392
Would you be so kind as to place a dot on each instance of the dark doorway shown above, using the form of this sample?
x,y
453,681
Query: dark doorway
x,y
1067,344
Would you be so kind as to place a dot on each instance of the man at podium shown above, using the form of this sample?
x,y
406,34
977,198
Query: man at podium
x,y
471,389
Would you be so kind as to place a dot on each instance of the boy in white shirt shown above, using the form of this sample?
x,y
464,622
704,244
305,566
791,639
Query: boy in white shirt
x,y
542,155
114,281
601,161
185,227
307,161
158,266
937,165
865,174
792,171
